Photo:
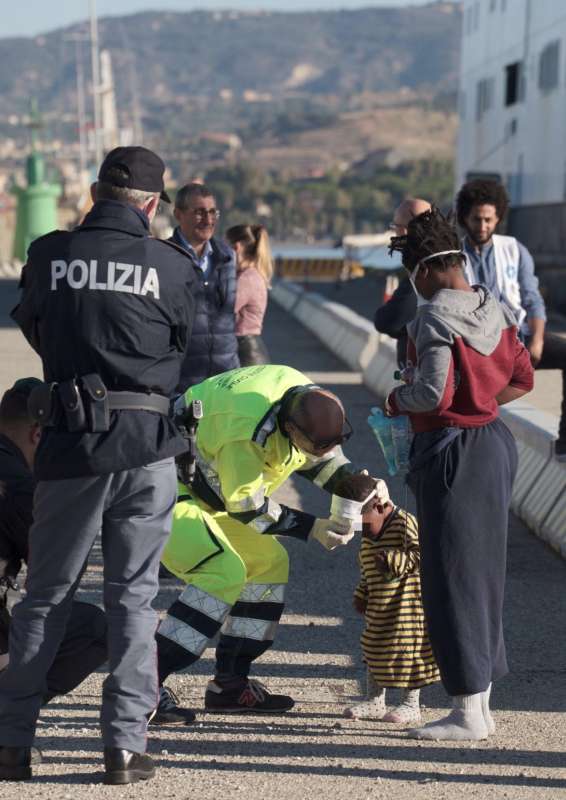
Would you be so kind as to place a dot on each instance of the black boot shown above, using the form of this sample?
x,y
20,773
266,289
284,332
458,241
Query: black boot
x,y
123,766
15,763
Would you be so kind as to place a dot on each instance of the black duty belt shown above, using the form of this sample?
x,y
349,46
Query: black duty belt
x,y
84,404
138,401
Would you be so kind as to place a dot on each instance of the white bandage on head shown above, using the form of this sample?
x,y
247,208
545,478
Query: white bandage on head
x,y
343,508
381,492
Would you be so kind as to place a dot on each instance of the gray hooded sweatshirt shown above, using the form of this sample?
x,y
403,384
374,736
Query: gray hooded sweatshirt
x,y
466,351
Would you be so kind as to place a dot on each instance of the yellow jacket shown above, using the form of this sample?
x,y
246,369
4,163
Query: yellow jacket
x,y
243,454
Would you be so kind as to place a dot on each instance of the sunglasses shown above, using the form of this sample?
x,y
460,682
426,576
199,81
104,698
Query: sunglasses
x,y
327,443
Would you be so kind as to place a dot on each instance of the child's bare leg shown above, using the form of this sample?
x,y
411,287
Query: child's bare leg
x,y
373,707
408,709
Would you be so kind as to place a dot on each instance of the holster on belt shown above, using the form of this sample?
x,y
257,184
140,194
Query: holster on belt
x,y
86,404
98,411
44,406
73,406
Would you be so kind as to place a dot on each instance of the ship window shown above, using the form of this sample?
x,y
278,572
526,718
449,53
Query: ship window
x,y
513,83
484,96
548,67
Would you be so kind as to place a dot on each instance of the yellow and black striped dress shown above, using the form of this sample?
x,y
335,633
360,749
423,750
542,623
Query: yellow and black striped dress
x,y
395,642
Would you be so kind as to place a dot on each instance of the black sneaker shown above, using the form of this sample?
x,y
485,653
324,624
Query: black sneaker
x,y
560,450
123,766
253,697
168,712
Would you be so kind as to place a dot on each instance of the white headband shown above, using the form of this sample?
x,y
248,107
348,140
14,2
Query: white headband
x,y
441,253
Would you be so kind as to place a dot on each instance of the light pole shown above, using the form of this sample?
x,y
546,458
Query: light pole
x,y
95,60
77,38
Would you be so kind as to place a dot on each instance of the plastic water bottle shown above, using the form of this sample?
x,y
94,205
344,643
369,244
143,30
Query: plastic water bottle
x,y
401,442
383,430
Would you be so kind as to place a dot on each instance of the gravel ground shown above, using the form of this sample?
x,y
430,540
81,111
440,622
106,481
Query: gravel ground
x,y
313,751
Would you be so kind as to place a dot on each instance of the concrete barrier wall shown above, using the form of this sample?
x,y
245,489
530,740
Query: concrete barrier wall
x,y
539,494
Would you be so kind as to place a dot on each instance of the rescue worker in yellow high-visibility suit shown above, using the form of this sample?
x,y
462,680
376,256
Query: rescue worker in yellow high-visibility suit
x,y
260,425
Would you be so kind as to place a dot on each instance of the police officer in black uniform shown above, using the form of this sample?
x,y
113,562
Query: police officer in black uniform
x,y
109,310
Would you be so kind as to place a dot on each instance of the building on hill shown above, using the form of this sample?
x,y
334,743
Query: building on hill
x,y
512,119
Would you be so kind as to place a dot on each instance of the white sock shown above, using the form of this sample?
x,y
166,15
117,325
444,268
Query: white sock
x,y
464,722
408,709
411,698
373,706
489,721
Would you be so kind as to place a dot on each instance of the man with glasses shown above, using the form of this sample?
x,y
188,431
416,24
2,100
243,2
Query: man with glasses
x,y
213,347
260,425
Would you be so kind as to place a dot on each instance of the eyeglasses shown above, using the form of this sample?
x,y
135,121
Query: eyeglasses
x,y
203,213
328,443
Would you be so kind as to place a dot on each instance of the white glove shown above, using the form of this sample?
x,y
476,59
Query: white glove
x,y
332,533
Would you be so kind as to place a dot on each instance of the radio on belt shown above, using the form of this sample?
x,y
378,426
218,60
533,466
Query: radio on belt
x,y
187,421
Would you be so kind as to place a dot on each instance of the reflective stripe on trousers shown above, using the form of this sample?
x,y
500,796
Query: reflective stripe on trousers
x,y
193,619
256,613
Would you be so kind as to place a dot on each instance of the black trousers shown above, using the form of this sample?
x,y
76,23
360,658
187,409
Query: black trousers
x,y
252,351
463,493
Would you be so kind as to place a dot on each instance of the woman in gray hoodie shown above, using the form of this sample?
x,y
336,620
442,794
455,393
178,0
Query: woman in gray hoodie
x,y
469,361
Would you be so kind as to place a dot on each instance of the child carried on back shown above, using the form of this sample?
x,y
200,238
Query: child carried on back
x,y
395,642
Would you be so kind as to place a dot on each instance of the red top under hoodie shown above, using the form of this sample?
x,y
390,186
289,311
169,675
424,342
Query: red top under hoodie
x,y
466,351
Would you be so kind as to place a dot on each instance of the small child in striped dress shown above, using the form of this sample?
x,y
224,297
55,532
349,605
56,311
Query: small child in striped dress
x,y
395,642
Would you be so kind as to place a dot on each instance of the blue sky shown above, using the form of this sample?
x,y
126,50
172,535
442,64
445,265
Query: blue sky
x,y
38,16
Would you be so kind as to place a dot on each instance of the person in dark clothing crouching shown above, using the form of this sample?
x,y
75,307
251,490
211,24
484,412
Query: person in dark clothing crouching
x,y
83,648
469,361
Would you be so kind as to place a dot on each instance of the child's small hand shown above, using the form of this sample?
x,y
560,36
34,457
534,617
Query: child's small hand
x,y
360,604
381,562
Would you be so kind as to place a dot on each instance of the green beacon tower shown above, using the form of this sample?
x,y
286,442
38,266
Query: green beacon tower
x,y
37,202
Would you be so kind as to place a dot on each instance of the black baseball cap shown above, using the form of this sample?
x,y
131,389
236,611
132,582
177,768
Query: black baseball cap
x,y
142,167
24,386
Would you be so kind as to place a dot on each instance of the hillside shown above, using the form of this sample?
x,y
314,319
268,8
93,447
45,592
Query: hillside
x,y
302,90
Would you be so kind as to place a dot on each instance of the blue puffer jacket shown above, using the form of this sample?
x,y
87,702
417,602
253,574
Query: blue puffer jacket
x,y
213,347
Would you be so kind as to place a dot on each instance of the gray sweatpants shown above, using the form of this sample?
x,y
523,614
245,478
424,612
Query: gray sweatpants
x,y
133,510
